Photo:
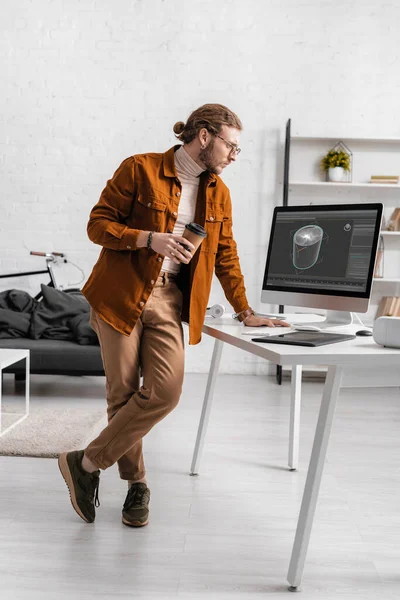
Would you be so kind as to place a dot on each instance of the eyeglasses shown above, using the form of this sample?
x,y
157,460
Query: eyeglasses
x,y
233,148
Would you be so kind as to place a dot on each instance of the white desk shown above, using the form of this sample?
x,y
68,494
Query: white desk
x,y
341,359
8,358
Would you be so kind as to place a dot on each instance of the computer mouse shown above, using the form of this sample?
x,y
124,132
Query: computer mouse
x,y
364,332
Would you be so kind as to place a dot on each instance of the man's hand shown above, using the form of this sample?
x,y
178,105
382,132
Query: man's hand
x,y
175,247
254,321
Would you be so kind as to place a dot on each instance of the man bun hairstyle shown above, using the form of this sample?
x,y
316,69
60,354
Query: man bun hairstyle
x,y
178,128
209,116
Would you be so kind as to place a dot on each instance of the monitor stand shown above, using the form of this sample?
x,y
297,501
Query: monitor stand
x,y
337,318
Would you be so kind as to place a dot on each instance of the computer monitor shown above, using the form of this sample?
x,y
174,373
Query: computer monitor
x,y
323,256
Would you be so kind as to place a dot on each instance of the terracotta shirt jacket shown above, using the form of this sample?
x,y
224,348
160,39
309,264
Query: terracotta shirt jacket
x,y
143,195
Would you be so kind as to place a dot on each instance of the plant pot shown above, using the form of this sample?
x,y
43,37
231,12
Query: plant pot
x,y
336,174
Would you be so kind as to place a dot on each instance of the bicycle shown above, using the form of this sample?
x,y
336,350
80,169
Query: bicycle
x,y
52,259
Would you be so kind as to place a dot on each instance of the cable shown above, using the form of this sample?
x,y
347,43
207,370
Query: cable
x,y
79,269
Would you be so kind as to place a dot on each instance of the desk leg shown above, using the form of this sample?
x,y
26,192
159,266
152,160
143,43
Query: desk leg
x,y
279,375
295,400
314,475
205,412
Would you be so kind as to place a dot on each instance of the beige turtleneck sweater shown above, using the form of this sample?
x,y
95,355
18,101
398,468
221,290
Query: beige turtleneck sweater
x,y
188,172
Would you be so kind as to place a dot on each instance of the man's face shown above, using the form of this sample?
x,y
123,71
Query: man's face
x,y
219,153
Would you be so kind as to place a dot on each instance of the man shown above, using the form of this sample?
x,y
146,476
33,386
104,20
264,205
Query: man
x,y
146,281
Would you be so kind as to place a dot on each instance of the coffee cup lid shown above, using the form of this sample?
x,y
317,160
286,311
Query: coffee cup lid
x,y
197,229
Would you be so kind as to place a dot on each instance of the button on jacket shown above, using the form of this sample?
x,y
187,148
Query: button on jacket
x,y
143,195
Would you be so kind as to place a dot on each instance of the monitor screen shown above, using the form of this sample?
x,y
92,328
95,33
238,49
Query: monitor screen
x,y
322,256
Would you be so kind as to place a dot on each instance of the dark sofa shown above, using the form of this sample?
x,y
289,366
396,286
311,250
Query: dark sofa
x,y
55,329
55,357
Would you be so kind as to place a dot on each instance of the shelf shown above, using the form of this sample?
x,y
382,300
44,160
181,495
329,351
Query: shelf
x,y
390,232
386,280
344,185
302,138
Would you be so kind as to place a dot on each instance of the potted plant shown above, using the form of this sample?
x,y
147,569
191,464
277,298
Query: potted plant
x,y
336,163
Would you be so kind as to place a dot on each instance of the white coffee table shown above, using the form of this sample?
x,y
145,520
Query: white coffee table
x,y
8,358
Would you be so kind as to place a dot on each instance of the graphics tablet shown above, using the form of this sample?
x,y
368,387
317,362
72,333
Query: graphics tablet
x,y
303,338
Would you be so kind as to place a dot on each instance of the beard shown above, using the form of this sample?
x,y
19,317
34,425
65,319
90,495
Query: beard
x,y
206,156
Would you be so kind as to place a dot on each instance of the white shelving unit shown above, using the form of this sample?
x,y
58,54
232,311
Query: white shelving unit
x,y
305,184
371,156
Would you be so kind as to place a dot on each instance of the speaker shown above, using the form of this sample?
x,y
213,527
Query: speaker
x,y
386,331
217,310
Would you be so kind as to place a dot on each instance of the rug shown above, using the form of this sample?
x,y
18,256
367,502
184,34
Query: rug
x,y
47,432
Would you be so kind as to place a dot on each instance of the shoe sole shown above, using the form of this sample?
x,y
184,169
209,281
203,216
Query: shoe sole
x,y
134,523
66,473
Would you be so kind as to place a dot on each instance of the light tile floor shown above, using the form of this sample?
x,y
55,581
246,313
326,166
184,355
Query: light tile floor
x,y
228,533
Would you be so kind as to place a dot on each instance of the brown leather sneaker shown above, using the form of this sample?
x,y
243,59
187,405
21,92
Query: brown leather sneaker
x,y
135,512
83,486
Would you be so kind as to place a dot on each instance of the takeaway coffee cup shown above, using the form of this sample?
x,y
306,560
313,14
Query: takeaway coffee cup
x,y
195,234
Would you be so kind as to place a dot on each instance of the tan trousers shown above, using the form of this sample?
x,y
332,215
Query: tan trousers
x,y
155,347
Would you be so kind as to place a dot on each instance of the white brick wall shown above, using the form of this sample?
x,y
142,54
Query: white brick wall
x,y
87,83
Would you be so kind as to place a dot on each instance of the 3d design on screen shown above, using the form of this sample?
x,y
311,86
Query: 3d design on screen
x,y
306,246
